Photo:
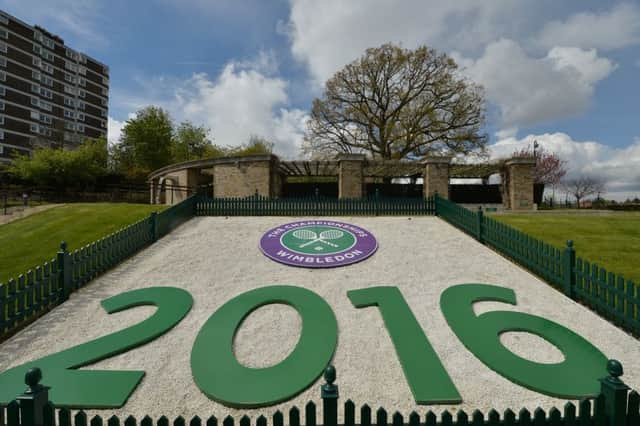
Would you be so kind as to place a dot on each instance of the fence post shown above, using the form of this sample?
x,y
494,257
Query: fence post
x,y
153,220
435,203
479,225
569,270
329,396
64,268
33,400
615,394
377,202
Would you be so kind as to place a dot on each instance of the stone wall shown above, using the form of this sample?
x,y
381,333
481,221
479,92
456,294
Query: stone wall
x,y
436,176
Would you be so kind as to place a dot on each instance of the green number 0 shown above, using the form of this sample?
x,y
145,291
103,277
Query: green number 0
x,y
576,377
221,377
102,389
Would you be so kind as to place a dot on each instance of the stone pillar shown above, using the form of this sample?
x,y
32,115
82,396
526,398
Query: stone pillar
x,y
244,176
153,188
350,175
519,183
436,176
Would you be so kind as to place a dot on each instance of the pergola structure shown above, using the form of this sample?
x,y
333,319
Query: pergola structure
x,y
265,175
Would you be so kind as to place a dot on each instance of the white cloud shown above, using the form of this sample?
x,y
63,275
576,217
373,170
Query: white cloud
x,y
616,28
114,130
328,34
618,167
530,90
79,19
242,101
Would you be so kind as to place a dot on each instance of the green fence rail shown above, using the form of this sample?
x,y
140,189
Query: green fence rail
x,y
314,206
43,287
615,406
607,293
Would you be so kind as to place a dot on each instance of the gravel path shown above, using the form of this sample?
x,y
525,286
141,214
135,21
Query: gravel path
x,y
216,259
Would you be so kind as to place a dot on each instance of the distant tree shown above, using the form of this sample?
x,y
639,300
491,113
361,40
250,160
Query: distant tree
x,y
145,143
395,103
63,168
255,146
191,142
583,187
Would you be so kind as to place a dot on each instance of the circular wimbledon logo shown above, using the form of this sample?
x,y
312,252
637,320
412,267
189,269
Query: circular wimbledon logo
x,y
318,244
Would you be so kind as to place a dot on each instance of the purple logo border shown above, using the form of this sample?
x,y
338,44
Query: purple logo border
x,y
270,245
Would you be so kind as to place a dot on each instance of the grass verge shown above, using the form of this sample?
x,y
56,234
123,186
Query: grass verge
x,y
611,241
33,240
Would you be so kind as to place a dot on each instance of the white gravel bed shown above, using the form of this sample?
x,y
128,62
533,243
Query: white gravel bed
x,y
216,259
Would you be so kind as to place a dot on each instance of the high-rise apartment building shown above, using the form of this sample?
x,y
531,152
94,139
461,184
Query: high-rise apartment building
x,y
50,94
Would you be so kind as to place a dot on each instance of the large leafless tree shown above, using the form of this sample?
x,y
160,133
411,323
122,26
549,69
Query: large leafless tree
x,y
395,103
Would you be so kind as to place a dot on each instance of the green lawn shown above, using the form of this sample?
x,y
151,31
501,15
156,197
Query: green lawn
x,y
28,242
612,241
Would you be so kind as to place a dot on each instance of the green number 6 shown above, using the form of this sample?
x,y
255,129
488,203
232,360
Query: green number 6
x,y
575,377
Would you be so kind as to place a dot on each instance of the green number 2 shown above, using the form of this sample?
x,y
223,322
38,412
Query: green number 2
x,y
575,377
98,388
429,381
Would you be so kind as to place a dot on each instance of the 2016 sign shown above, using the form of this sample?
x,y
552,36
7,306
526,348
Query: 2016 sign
x,y
221,377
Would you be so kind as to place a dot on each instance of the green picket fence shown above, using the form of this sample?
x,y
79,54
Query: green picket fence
x,y
46,286
607,293
314,206
615,406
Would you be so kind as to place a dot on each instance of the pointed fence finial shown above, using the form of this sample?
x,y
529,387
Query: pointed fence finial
x,y
34,399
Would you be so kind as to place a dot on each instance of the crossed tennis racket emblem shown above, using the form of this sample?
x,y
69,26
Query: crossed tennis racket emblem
x,y
312,237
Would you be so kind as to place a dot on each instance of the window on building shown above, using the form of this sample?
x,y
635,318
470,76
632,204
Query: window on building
x,y
82,81
35,75
37,49
34,101
3,76
104,91
37,35
33,127
69,90
3,91
3,47
46,106
48,81
46,93
4,19
82,70
81,105
35,88
50,57
104,102
81,93
3,62
45,119
35,115
81,127
1,106
47,68
69,102
103,113
1,134
81,116
68,114
49,43
4,33
1,119
69,125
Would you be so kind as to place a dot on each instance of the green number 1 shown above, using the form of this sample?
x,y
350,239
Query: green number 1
x,y
429,381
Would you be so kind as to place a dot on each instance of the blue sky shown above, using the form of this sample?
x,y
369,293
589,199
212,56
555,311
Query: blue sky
x,y
563,73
